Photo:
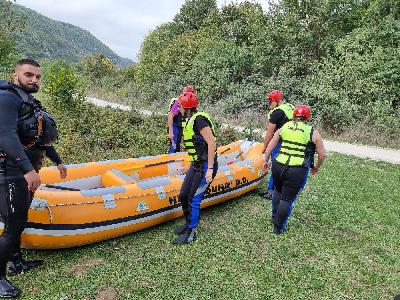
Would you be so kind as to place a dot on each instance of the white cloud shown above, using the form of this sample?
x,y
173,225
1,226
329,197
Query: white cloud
x,y
120,24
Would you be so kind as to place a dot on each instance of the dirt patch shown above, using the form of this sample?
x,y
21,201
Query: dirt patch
x,y
108,293
32,290
81,269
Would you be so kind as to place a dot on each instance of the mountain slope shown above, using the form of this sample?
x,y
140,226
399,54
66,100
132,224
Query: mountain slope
x,y
44,38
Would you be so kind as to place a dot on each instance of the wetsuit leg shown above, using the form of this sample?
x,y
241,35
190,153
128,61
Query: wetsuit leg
x,y
276,199
185,192
276,171
292,180
192,191
198,189
179,136
274,153
304,182
15,202
174,144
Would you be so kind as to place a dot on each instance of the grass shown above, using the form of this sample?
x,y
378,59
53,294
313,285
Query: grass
x,y
342,242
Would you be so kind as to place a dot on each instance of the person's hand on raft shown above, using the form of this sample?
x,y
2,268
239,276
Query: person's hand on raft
x,y
183,170
209,175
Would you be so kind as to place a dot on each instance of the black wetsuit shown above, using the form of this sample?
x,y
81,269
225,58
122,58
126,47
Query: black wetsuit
x,y
15,161
279,118
194,185
288,181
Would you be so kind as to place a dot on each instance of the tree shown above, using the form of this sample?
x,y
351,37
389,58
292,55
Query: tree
x,y
307,30
96,66
193,13
9,24
61,87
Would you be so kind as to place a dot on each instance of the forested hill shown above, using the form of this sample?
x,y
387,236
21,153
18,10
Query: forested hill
x,y
44,38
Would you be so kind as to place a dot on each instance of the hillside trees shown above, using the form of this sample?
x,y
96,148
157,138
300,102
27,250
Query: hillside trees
x,y
360,81
193,14
96,66
339,56
9,24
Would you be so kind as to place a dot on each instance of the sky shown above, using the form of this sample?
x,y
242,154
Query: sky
x,y
119,24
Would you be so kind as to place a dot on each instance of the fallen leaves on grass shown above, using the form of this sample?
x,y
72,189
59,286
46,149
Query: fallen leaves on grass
x,y
82,268
108,293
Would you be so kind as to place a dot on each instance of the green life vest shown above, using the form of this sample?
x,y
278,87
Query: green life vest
x,y
195,144
297,148
287,108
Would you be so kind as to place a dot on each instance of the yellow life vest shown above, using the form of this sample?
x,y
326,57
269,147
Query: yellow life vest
x,y
195,144
297,148
287,108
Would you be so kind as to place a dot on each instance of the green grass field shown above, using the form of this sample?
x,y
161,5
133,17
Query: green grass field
x,y
342,242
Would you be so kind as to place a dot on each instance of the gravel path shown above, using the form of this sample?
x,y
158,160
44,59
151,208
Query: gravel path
x,y
375,153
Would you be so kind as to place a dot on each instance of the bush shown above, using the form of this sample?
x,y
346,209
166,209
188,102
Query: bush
x,y
360,81
61,87
340,57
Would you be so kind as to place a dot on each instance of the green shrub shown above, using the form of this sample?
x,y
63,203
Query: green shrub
x,y
361,80
61,86
338,56
96,66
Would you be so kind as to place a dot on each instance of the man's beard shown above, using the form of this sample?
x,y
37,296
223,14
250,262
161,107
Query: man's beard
x,y
30,89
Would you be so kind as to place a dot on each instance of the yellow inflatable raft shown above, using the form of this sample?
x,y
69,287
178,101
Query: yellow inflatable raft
x,y
106,199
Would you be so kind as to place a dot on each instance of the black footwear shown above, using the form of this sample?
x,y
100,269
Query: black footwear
x,y
187,237
22,266
277,231
267,195
7,290
181,229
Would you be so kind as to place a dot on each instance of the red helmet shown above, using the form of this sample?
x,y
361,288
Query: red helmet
x,y
302,111
275,95
188,89
188,100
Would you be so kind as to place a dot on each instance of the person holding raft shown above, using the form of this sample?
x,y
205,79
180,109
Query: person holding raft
x,y
290,167
199,141
280,112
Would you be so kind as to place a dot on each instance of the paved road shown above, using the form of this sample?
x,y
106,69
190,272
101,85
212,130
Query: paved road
x,y
375,153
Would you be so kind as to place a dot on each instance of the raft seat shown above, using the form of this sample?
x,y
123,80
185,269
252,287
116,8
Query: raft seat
x,y
115,177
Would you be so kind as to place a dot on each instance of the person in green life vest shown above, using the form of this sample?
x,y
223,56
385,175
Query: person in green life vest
x,y
280,113
299,141
176,122
199,141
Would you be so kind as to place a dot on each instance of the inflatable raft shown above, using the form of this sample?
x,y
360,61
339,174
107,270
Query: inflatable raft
x,y
107,199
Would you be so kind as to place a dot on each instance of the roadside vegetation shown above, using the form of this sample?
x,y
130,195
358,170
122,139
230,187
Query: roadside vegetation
x,y
338,56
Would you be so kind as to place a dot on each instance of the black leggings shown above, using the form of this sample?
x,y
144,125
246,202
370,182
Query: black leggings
x,y
287,181
192,191
15,200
